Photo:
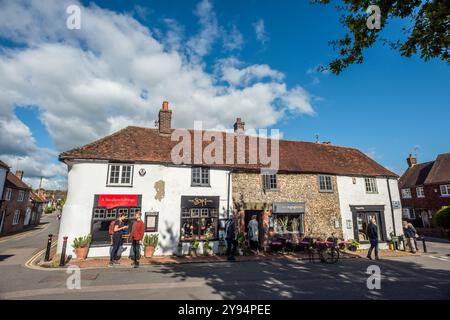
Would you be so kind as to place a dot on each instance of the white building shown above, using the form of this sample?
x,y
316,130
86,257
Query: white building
x,y
363,198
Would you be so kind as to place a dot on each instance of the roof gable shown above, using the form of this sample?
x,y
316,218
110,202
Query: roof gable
x,y
440,173
12,181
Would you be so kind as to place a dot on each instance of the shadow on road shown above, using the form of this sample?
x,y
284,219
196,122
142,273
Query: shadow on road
x,y
291,280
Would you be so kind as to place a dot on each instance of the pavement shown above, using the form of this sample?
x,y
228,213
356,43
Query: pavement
x,y
426,276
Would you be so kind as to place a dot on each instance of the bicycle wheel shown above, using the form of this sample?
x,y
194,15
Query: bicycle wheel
x,y
329,255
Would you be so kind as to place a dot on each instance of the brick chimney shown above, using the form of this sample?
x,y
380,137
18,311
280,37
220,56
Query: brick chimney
x,y
411,160
19,174
165,118
239,125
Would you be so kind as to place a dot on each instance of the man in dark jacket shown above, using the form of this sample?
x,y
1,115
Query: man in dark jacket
x,y
230,237
372,233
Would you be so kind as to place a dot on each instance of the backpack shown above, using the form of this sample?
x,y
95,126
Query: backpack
x,y
111,227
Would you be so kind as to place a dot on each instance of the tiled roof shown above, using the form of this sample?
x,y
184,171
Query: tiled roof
x,y
136,144
35,197
3,165
440,173
14,182
433,172
416,175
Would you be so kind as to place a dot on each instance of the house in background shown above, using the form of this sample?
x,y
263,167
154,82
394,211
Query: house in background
x,y
425,188
4,169
15,202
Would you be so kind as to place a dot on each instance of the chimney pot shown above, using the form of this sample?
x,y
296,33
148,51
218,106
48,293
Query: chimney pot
x,y
165,119
411,160
239,125
19,174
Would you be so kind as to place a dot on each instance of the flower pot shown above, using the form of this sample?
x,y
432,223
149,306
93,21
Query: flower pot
x,y
149,251
194,253
82,253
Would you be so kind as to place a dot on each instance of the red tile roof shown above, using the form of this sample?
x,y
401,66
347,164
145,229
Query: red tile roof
x,y
136,144
12,181
434,172
3,165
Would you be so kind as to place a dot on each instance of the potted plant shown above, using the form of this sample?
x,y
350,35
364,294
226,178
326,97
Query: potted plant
x,y
354,245
150,243
207,249
81,246
241,243
195,243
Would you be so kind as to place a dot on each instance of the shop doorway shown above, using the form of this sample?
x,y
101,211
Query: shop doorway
x,y
27,217
361,220
248,217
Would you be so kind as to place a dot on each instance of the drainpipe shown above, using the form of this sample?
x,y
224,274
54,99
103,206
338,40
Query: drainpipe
x,y
228,194
392,206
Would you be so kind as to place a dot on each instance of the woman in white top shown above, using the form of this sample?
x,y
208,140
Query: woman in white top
x,y
253,234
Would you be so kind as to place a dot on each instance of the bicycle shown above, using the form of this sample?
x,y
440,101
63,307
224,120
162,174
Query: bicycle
x,y
328,251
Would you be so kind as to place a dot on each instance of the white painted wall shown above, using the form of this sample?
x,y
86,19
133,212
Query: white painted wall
x,y
355,195
86,179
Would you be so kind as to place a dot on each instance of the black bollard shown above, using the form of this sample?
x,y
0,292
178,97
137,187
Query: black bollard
x,y
424,245
49,245
62,262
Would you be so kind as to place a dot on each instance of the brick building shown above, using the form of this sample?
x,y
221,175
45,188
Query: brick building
x,y
425,188
15,209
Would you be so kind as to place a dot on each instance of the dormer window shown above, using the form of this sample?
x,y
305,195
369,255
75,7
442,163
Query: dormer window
x,y
120,175
406,193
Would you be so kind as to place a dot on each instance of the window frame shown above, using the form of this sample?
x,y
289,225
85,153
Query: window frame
x,y
447,190
21,196
268,183
8,194
120,177
16,217
370,185
406,196
187,214
325,182
204,172
420,194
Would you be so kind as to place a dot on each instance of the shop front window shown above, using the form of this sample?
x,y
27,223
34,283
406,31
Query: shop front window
x,y
289,224
198,223
362,221
102,217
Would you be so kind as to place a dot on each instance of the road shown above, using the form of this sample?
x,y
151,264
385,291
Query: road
x,y
420,277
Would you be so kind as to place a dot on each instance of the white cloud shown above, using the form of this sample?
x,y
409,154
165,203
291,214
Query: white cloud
x,y
260,30
233,40
88,83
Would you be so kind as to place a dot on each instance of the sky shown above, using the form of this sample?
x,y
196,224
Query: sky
x,y
213,61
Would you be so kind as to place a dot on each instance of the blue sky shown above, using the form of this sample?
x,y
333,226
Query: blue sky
x,y
385,106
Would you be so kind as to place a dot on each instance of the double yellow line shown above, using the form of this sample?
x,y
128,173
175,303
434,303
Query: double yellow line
x,y
30,262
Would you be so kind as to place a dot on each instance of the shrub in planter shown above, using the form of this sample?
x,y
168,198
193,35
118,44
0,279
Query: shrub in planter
x,y
195,243
150,243
443,218
207,249
81,246
354,245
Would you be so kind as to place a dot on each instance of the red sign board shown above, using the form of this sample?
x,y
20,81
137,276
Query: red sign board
x,y
117,200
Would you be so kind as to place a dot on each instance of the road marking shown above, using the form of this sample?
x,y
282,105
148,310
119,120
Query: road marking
x,y
30,263
25,234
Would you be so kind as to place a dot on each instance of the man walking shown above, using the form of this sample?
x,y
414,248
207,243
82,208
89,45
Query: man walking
x,y
230,237
372,233
136,236
119,225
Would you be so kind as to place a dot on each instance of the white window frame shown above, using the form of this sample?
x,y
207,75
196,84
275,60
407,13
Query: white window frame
x,y
200,177
16,218
371,185
325,183
445,190
270,182
21,196
406,193
121,175
420,191
8,194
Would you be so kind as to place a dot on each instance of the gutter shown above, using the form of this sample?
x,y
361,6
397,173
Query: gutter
x,y
392,207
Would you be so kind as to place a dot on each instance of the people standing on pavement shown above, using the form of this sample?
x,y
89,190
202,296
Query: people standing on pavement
x,y
415,235
372,234
253,234
119,226
409,236
136,236
230,237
